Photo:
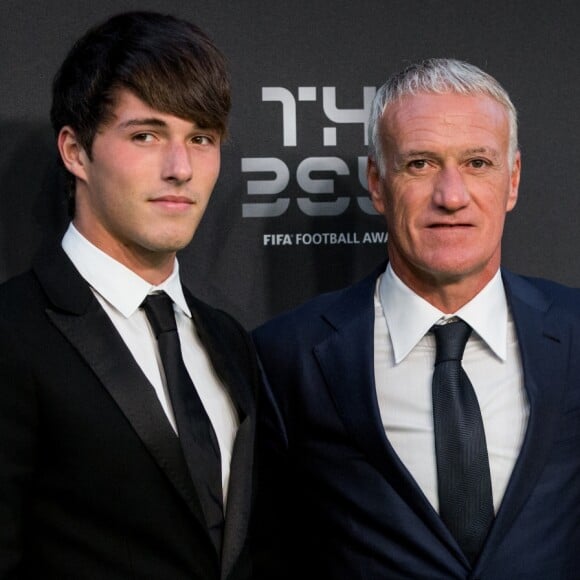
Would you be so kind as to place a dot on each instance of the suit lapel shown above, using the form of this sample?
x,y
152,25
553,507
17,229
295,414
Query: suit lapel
x,y
544,340
80,318
346,358
213,335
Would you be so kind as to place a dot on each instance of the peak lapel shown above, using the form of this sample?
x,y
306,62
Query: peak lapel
x,y
218,340
346,358
80,318
544,341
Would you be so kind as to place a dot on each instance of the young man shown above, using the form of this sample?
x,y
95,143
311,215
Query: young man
x,y
382,456
126,404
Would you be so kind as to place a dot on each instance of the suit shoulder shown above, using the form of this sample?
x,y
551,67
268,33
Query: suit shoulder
x,y
18,294
216,314
306,320
17,283
22,317
302,314
563,296
223,329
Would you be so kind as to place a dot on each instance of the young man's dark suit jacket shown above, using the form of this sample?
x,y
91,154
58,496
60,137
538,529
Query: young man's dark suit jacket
x,y
93,484
335,502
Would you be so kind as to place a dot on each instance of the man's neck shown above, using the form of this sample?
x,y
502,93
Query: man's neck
x,y
447,294
152,266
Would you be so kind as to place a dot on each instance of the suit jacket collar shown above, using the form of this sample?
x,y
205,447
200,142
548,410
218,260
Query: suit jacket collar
x,y
76,312
346,358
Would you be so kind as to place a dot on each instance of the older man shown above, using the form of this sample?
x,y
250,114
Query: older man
x,y
425,422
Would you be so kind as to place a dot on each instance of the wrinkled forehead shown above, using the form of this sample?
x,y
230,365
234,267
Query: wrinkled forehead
x,y
427,116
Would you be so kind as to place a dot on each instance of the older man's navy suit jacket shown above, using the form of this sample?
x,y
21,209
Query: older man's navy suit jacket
x,y
335,501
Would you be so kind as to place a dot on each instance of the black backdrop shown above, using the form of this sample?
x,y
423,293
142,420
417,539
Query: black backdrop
x,y
289,217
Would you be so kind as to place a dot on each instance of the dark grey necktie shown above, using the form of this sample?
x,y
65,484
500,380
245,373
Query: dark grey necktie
x,y
464,482
196,434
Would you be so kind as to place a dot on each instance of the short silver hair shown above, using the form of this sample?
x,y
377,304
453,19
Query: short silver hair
x,y
438,76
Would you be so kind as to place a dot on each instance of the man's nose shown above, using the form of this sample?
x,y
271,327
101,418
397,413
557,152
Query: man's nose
x,y
450,190
177,163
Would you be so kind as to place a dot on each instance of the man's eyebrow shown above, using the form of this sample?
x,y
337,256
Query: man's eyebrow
x,y
485,150
426,153
148,121
417,153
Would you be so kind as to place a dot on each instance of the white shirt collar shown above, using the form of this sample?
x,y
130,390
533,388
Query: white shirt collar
x,y
116,283
409,317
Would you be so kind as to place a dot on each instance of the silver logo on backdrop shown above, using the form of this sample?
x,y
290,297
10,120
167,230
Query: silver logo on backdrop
x,y
274,173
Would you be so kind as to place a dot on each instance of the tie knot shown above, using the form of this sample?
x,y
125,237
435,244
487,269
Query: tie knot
x,y
159,310
451,339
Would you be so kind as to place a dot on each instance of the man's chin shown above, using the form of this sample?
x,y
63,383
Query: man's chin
x,y
169,244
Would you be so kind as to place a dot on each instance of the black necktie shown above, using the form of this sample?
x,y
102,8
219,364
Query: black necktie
x,y
196,434
464,482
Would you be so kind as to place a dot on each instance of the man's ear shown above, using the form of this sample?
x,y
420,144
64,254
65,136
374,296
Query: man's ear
x,y
514,182
72,153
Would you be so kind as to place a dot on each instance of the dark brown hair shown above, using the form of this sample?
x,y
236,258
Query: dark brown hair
x,y
168,63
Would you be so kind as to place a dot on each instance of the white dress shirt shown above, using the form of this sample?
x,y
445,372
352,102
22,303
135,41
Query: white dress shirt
x,y
120,292
404,359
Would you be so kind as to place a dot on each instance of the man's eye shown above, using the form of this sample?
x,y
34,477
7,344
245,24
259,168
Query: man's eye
x,y
143,137
418,164
478,163
202,140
